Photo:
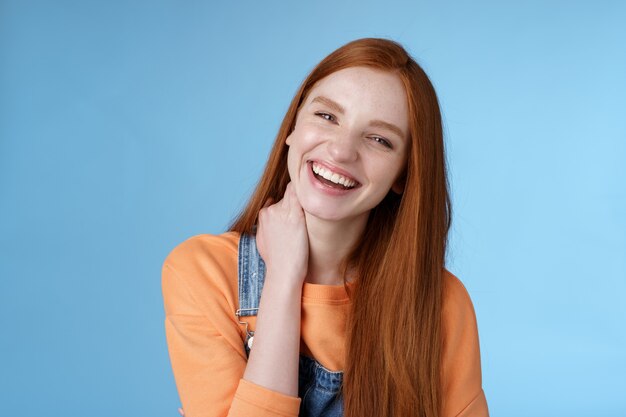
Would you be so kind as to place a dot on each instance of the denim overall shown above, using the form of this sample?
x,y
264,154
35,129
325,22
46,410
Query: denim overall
x,y
318,387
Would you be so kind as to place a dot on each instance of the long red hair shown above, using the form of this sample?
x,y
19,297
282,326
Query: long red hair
x,y
394,335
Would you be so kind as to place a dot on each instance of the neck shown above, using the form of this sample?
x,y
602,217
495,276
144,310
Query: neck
x,y
329,244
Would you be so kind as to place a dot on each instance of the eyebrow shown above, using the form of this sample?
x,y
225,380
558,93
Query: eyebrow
x,y
389,126
374,123
330,103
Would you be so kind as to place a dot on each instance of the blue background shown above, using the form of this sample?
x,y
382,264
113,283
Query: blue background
x,y
129,126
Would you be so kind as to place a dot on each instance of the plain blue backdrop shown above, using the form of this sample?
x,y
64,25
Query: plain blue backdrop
x,y
128,126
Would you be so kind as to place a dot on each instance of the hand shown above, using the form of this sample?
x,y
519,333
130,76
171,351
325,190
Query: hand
x,y
282,237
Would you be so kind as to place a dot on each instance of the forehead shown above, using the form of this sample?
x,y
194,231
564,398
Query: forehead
x,y
366,91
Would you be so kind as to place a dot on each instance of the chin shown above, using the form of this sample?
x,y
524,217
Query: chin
x,y
321,211
325,216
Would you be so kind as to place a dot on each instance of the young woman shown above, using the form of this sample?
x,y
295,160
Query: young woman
x,y
328,296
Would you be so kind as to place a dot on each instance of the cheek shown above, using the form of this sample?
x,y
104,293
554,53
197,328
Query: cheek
x,y
387,173
294,159
308,135
300,143
291,161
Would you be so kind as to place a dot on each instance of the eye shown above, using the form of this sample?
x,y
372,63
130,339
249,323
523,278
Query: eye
x,y
326,116
382,141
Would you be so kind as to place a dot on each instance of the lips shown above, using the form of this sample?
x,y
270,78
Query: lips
x,y
334,174
326,187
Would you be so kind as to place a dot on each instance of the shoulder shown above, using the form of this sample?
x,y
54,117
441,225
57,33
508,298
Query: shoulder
x,y
202,247
456,299
200,272
462,379
458,315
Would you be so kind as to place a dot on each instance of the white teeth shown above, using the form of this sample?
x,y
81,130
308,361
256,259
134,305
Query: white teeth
x,y
333,176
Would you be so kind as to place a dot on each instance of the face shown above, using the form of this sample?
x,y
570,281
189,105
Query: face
x,y
349,144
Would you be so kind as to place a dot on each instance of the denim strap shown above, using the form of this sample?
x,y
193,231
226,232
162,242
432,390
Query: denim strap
x,y
251,277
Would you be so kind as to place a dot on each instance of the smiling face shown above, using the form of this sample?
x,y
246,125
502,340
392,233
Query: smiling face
x,y
349,143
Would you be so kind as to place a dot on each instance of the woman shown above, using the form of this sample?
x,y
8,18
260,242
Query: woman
x,y
328,296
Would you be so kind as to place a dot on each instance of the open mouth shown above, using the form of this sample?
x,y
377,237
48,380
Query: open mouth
x,y
332,179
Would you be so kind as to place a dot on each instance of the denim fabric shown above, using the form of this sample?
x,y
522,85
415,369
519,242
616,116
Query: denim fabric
x,y
319,388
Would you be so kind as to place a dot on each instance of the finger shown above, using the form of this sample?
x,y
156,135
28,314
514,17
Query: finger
x,y
181,412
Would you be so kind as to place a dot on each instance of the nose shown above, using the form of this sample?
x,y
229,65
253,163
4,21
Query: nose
x,y
343,147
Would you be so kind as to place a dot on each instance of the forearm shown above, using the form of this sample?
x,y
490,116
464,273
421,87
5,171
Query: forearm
x,y
274,357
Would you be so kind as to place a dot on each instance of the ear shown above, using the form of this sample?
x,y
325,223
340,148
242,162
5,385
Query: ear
x,y
398,187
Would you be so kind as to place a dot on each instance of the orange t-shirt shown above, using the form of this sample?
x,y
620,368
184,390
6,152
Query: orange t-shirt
x,y
205,340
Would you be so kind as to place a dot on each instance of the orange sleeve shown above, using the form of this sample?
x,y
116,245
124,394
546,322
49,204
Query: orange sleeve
x,y
462,379
205,343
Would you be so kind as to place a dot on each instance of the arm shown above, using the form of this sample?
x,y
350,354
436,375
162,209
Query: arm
x,y
274,359
283,244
